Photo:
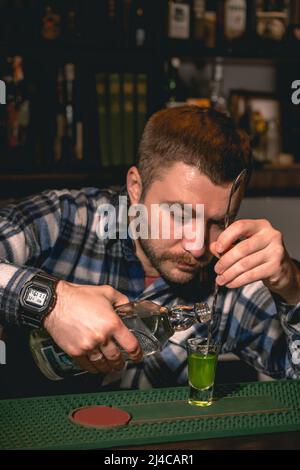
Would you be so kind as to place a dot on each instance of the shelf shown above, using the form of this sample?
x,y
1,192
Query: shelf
x,y
24,184
275,181
276,53
269,181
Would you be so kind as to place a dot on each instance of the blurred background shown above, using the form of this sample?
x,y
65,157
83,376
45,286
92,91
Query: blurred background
x,y
80,78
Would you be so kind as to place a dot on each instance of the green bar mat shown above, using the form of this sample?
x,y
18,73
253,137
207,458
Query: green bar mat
x,y
239,410
177,410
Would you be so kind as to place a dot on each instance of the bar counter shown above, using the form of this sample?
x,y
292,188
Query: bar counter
x,y
248,415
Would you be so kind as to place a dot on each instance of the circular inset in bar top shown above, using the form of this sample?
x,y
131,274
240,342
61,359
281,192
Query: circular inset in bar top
x,y
100,417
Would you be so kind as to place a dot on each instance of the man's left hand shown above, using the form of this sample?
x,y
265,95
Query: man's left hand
x,y
252,250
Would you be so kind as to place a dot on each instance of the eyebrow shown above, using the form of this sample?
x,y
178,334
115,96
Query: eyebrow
x,y
218,219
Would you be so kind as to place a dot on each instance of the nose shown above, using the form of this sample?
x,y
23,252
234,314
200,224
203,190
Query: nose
x,y
194,246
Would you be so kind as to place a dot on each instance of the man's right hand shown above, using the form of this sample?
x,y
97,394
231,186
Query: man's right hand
x,y
85,325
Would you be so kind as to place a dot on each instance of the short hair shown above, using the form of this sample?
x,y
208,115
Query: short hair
x,y
204,138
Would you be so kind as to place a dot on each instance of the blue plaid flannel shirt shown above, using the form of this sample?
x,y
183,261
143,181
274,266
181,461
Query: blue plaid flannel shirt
x,y
56,232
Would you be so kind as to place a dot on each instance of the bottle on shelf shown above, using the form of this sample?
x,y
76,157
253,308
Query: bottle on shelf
x,y
60,117
293,31
233,22
256,126
179,18
273,138
51,21
71,21
217,95
272,19
74,125
68,140
174,91
152,325
198,21
210,24
138,24
18,107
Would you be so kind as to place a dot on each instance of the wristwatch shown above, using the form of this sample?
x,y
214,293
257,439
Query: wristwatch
x,y
37,299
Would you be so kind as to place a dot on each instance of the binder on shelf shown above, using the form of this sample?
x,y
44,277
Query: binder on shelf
x,y
142,88
128,119
103,130
115,120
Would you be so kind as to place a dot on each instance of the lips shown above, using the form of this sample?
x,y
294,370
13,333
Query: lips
x,y
186,267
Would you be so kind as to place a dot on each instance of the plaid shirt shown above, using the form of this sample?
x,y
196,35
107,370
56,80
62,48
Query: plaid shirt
x,y
56,232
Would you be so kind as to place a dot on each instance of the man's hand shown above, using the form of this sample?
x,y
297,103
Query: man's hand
x,y
85,325
261,255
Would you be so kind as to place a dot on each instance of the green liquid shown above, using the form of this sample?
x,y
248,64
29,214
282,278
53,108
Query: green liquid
x,y
201,370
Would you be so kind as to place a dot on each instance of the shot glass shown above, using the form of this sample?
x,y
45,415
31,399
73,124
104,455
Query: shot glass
x,y
202,362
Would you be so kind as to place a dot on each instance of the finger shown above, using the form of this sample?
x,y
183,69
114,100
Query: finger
x,y
113,355
241,251
213,249
243,266
115,297
257,274
239,229
99,361
129,344
85,364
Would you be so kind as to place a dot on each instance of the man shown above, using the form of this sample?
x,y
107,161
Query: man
x,y
186,156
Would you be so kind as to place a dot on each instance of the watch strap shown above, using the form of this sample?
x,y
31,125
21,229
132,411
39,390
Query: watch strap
x,y
35,318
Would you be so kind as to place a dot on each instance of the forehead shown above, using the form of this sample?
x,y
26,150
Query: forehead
x,y
188,185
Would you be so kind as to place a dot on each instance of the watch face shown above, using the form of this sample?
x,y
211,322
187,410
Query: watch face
x,y
35,297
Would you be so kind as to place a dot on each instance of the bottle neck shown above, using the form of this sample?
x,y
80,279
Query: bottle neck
x,y
182,317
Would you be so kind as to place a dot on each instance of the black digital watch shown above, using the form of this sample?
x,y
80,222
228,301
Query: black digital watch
x,y
37,299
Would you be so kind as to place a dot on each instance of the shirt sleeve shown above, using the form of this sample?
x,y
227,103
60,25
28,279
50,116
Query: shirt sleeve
x,y
290,321
265,332
28,230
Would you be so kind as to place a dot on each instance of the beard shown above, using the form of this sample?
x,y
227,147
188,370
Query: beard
x,y
164,263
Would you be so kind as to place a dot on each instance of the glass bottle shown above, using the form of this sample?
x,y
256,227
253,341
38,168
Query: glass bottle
x,y
152,325
293,31
235,15
217,95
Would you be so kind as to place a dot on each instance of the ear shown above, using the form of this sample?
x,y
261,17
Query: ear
x,y
134,185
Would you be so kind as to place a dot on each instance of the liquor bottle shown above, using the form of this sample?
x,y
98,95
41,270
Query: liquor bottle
x,y
179,19
293,31
138,24
198,21
18,104
60,117
141,106
115,120
273,137
174,91
217,96
210,24
74,125
272,19
152,325
72,31
103,122
51,21
235,14
112,23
